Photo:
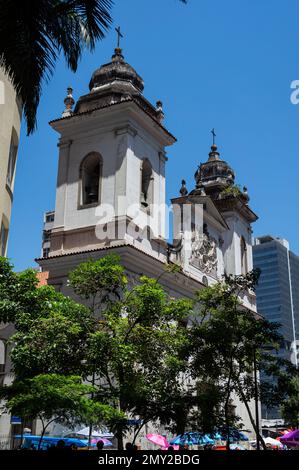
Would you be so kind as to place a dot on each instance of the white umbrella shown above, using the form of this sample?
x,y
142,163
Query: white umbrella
x,y
95,433
273,442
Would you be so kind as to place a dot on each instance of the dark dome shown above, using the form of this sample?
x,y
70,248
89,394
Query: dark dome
x,y
117,70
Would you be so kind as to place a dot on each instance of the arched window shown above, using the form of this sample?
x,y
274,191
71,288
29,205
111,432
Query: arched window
x,y
244,265
147,183
90,177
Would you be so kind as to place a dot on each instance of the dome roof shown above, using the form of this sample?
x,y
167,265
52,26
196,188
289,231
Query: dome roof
x,y
116,71
214,175
215,171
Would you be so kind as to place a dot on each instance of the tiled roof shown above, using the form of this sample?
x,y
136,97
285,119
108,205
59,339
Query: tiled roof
x,y
130,99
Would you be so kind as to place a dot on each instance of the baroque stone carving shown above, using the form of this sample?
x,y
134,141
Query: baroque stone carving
x,y
204,253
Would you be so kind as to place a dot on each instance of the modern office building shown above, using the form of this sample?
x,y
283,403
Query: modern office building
x,y
278,294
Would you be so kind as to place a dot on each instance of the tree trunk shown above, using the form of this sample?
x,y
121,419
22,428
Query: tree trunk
x,y
119,437
226,410
252,419
41,436
137,432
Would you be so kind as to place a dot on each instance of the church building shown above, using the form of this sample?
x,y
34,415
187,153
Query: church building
x,y
110,195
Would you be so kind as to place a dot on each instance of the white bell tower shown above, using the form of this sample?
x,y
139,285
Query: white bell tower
x,y
111,164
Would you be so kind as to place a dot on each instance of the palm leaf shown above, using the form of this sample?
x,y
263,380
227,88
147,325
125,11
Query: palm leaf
x,y
32,35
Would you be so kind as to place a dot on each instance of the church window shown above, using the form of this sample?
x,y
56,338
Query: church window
x,y
90,175
147,181
244,266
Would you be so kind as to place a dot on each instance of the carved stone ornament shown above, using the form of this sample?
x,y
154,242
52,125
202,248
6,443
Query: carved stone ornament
x,y
204,253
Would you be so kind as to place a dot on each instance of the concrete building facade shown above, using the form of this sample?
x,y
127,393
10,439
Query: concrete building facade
x,y
10,123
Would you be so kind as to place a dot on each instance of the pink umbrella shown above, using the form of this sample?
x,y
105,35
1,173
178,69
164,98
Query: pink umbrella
x,y
158,440
106,441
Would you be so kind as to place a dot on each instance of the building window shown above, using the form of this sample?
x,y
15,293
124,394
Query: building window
x,y
90,177
3,239
147,184
46,236
2,356
13,149
50,218
244,265
46,252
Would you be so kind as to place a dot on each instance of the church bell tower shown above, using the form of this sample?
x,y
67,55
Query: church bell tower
x,y
111,168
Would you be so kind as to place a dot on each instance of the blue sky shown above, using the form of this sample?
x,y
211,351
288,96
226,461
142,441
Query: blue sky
x,y
226,64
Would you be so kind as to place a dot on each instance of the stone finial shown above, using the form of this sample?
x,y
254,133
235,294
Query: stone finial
x,y
69,103
159,110
245,194
183,190
214,154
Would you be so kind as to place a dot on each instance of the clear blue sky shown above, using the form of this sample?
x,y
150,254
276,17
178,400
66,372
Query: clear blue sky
x,y
226,64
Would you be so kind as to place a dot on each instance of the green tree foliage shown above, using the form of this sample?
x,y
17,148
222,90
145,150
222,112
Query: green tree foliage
x,y
52,397
227,338
51,329
147,355
290,407
137,350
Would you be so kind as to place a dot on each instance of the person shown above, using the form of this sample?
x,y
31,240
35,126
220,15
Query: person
x,y
100,445
60,445
129,446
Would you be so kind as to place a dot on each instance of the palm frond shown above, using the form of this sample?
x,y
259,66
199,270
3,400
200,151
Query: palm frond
x,y
32,37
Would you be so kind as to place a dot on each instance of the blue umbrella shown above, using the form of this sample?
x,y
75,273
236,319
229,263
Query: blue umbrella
x,y
192,438
234,435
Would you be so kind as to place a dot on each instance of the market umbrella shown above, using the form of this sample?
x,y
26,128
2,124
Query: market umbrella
x,y
273,442
95,433
106,442
234,435
158,440
191,438
291,438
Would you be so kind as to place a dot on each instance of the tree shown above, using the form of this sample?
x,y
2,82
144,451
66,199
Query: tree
x,y
31,39
51,329
130,344
136,354
49,350
227,340
290,407
279,388
53,397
